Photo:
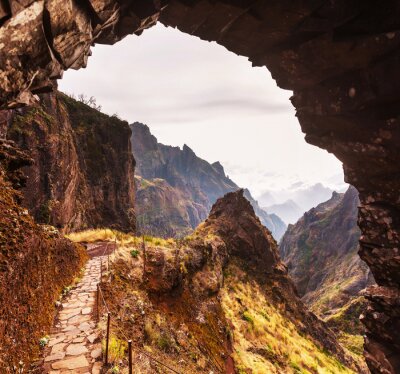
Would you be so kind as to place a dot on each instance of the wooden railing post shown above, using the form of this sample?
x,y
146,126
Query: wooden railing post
x,y
130,356
98,302
144,257
107,337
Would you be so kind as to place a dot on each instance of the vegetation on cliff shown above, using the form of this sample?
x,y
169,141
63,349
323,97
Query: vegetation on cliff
x,y
218,300
176,189
36,263
320,251
83,170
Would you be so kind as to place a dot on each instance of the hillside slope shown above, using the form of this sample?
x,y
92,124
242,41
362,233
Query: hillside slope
x,y
36,263
177,188
320,251
217,301
83,170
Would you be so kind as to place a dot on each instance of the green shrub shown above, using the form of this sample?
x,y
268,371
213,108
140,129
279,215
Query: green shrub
x,y
44,341
247,317
164,342
134,253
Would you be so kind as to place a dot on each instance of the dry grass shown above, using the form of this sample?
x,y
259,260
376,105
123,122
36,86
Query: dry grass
x,y
264,340
123,239
93,235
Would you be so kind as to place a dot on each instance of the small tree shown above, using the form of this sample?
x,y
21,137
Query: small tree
x,y
91,101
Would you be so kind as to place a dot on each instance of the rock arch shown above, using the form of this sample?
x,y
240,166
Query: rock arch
x,y
340,58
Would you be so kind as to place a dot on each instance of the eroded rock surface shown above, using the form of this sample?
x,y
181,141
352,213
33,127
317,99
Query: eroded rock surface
x,y
320,251
36,262
82,171
204,302
176,188
340,59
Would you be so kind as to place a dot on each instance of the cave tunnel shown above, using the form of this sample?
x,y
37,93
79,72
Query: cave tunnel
x,y
340,59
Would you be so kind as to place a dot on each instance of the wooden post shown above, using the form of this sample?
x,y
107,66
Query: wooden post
x,y
107,336
130,356
101,269
98,302
144,257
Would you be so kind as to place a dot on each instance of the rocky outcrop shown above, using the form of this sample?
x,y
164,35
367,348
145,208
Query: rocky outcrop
x,y
82,170
35,264
165,211
196,290
339,58
181,168
176,188
320,251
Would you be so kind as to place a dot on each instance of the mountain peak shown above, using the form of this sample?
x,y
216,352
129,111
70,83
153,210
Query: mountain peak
x,y
186,149
233,219
194,182
218,167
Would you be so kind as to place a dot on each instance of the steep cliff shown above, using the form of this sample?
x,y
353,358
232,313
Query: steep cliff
x,y
340,58
177,188
35,264
219,300
320,251
83,170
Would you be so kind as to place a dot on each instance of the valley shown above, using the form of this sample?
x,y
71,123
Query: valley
x,y
176,188
201,287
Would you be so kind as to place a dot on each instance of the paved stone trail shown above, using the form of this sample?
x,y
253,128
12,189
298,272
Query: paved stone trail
x,y
74,346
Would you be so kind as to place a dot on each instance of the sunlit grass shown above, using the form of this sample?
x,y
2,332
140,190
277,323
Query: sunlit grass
x,y
265,341
94,235
116,349
122,239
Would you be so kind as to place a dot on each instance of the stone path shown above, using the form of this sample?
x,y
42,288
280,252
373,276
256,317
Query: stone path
x,y
74,345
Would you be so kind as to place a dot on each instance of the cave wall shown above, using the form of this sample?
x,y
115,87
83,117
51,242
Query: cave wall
x,y
82,175
36,263
340,58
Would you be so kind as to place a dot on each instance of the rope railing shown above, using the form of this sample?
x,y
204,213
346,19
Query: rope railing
x,y
101,299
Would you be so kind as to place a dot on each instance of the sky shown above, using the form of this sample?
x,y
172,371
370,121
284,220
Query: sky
x,y
193,92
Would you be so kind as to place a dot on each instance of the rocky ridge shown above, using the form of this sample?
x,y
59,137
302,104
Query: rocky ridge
x,y
320,251
176,188
192,302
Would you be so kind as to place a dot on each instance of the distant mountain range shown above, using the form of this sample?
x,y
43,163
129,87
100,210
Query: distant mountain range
x,y
175,189
291,205
289,211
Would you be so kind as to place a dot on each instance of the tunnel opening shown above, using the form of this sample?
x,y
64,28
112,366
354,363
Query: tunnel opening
x,y
336,81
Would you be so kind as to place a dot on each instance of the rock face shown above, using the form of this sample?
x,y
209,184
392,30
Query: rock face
x,y
82,173
320,251
35,264
176,189
221,288
339,58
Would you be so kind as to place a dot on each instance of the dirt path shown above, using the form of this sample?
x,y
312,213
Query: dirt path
x,y
74,345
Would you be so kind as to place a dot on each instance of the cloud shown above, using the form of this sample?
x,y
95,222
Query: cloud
x,y
240,103
194,92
